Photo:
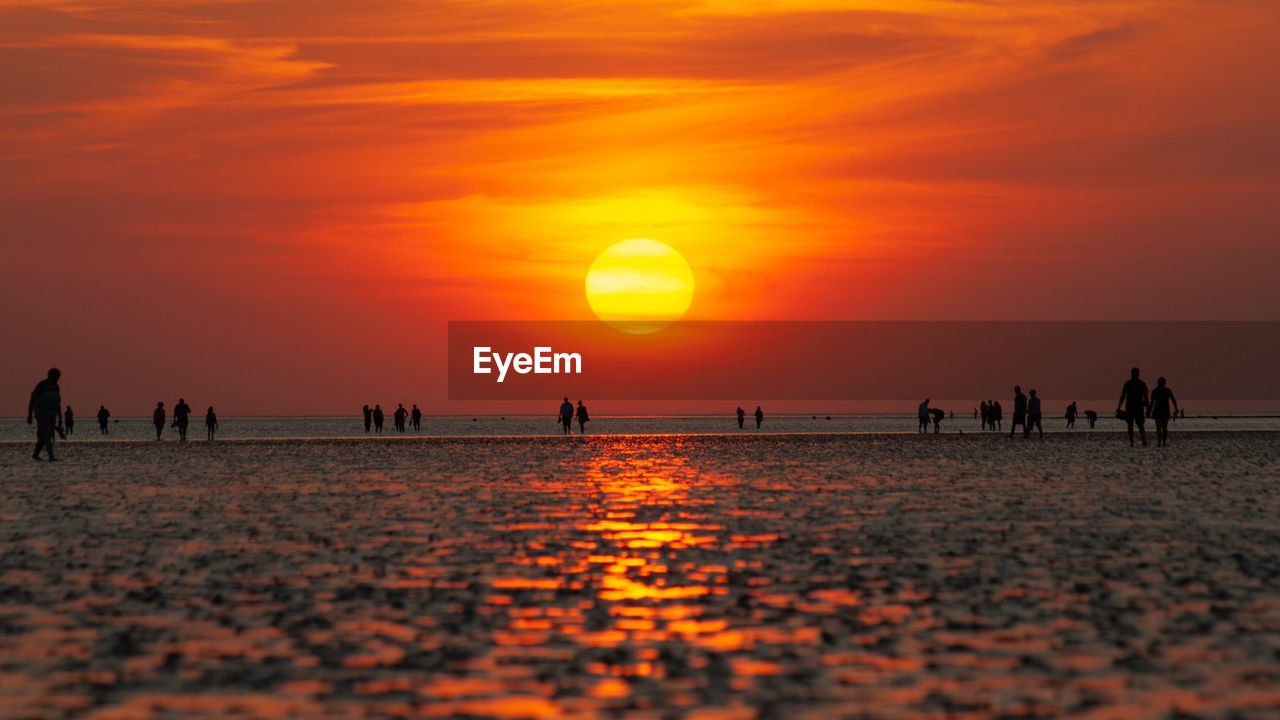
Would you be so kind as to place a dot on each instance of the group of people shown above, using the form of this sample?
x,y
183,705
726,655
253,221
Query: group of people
x,y
568,413
373,418
932,416
742,417
46,411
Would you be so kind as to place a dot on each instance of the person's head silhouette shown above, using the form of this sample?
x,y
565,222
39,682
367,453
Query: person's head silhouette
x,y
1134,373
1160,382
1033,393
1017,389
54,374
160,404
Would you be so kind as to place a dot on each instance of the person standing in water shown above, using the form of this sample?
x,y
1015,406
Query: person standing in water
x,y
69,421
742,417
157,419
1071,415
582,418
103,417
1161,398
566,416
399,416
415,417
997,416
210,422
45,407
1019,410
1092,417
181,417
923,414
368,418
1033,416
377,417
1132,405
759,417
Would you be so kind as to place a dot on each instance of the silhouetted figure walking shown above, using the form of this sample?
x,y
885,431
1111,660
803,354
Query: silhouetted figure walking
x,y
1071,415
181,416
924,416
1019,410
1093,418
415,417
1033,416
377,417
69,421
103,417
582,418
45,407
157,418
997,416
399,416
566,416
984,411
742,417
210,422
368,418
759,417
1134,400
1161,398
937,414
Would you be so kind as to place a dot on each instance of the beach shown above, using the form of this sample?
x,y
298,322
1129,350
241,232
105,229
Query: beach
x,y
803,575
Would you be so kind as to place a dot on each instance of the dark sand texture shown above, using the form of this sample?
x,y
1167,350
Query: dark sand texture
x,y
704,577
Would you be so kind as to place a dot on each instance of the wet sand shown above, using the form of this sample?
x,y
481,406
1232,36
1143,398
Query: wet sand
x,y
704,577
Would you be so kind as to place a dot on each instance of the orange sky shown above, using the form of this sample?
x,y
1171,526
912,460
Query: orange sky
x,y
276,206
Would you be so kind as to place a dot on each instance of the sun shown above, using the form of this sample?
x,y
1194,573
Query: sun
x,y
640,285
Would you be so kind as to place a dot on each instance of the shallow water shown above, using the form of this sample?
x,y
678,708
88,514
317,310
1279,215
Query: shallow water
x,y
681,576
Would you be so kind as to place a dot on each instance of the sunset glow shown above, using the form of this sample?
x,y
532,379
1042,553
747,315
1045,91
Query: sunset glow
x,y
640,280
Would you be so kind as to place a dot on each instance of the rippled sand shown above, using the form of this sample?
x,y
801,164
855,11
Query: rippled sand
x,y
704,577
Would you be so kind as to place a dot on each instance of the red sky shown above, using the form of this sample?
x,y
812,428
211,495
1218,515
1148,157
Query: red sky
x,y
275,207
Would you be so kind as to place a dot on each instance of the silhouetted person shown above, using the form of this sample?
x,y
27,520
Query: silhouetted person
x,y
377,417
1132,405
566,416
210,422
759,417
399,416
1071,415
1019,410
582,418
157,418
103,417
181,416
1161,398
924,416
368,418
997,416
937,414
742,417
1033,416
415,417
975,413
983,411
1093,418
69,421
45,407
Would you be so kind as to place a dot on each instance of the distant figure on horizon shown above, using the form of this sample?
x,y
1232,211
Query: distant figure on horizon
x,y
924,416
1019,411
583,418
399,416
1132,405
157,418
377,417
69,421
103,417
759,417
210,422
566,416
181,416
415,418
1033,416
975,413
937,415
368,418
1071,415
742,417
45,407
997,416
1161,398
1093,418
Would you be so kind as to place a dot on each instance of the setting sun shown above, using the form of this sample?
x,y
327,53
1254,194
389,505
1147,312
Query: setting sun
x,y
641,281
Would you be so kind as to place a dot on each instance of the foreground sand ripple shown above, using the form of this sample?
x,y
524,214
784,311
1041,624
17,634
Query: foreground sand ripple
x,y
703,577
